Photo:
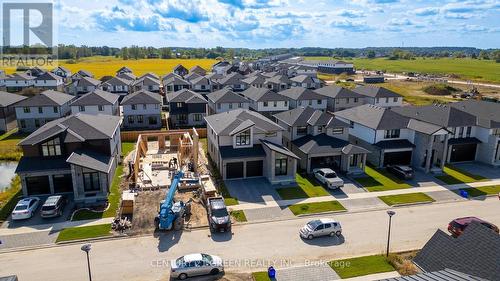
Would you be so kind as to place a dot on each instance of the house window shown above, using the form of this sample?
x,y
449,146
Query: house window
x,y
301,131
134,107
179,104
275,104
395,99
310,102
37,123
337,101
338,131
140,119
157,106
468,132
144,106
280,168
319,101
320,129
243,138
392,134
182,117
101,108
26,109
347,100
386,100
218,106
55,109
461,132
131,119
197,117
230,106
91,182
40,110
240,105
286,103
152,120
265,104
81,108
355,99
51,148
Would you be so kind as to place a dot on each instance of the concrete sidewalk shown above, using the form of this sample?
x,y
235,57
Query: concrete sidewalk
x,y
374,277
53,227
364,195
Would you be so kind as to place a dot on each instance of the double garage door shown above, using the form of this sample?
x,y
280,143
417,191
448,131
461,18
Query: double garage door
x,y
463,152
41,184
397,158
236,170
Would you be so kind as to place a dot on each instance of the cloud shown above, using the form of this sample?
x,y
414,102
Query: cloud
x,y
401,22
351,13
348,25
117,22
429,11
189,11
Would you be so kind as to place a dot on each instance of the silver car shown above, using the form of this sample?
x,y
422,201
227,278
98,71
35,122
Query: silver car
x,y
195,265
321,227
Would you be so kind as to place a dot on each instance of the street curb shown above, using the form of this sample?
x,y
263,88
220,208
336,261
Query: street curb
x,y
322,213
110,237
412,204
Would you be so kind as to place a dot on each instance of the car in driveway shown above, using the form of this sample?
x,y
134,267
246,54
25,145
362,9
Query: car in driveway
x,y
328,177
195,265
25,208
321,227
401,171
458,225
53,206
218,215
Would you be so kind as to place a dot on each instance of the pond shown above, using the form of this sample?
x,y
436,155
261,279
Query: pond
x,y
7,172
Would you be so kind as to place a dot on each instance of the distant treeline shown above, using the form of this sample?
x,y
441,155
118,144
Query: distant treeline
x,y
135,52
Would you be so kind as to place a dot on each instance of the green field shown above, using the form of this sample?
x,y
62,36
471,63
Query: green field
x,y
102,66
470,69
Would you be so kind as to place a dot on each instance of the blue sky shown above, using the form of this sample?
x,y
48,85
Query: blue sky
x,y
279,23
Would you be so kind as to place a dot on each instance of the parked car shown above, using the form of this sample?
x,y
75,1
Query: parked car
x,y
53,206
457,226
321,227
401,171
218,215
328,177
195,265
25,208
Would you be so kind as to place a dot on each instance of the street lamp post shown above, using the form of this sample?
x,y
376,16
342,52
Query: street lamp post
x,y
86,248
390,213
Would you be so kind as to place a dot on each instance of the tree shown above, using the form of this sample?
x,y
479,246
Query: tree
x,y
484,55
371,54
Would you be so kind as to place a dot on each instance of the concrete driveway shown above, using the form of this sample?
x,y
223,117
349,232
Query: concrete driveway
x,y
481,169
256,190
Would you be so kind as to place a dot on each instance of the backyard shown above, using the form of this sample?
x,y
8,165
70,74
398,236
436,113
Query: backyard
x,y
380,180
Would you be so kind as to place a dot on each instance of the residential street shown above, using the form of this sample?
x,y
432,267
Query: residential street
x,y
254,245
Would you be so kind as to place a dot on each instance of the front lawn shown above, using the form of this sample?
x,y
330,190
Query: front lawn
x,y
306,187
260,276
84,232
231,201
481,191
239,216
317,207
409,198
380,180
454,175
361,266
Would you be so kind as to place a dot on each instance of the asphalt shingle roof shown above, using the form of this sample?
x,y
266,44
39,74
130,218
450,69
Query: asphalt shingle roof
x,y
48,76
279,148
35,164
224,123
438,114
374,117
46,98
186,96
88,81
300,93
96,97
142,97
176,80
336,92
263,94
226,95
375,92
441,275
8,99
487,113
92,160
231,79
319,144
228,152
119,81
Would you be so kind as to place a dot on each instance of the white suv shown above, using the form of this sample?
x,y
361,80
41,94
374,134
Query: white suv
x,y
25,208
328,177
321,227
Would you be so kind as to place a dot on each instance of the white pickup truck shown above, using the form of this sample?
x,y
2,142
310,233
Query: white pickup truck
x,y
328,177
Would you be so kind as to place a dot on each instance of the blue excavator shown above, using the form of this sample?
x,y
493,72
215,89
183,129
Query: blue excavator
x,y
170,210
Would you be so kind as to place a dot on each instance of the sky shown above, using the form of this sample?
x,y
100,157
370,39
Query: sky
x,y
279,23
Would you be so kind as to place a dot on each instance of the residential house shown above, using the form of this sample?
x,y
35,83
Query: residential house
x,y
225,100
149,74
339,98
198,70
77,154
18,81
174,83
7,110
117,85
97,102
306,81
81,74
278,83
124,70
191,76
266,101
32,113
301,97
49,81
233,80
321,141
63,72
222,68
83,85
187,108
35,71
2,79
257,80
180,70
245,144
379,96
142,110
127,76
297,70
148,83
201,85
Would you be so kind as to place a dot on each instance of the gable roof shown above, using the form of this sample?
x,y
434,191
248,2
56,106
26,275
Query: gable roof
x,y
8,99
147,80
262,94
92,160
142,97
374,117
186,96
201,80
303,79
224,123
303,116
175,79
334,91
198,69
376,92
76,128
300,93
118,81
279,148
255,79
179,67
474,252
96,97
278,79
149,74
124,69
46,98
321,143
48,76
438,114
126,76
226,95
88,81
83,72
61,68
19,76
231,79
487,113
192,75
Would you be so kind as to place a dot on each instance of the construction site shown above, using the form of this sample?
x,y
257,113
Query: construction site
x,y
168,182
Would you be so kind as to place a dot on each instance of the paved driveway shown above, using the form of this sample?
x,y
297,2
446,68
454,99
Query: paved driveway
x,y
256,190
423,179
319,272
480,169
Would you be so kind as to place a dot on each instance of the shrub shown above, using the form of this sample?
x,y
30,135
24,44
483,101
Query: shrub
x,y
440,90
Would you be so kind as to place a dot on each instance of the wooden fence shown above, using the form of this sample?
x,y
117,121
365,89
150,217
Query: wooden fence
x,y
131,136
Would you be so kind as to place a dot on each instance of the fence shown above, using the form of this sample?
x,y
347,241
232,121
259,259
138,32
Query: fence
x,y
131,136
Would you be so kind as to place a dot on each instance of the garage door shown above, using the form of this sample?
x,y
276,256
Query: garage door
x,y
332,162
234,170
62,183
254,168
38,185
397,158
463,152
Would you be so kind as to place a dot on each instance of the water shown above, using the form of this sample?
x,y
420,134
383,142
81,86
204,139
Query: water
x,y
7,172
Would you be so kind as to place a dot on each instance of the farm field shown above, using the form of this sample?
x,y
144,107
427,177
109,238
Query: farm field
x,y
103,66
467,69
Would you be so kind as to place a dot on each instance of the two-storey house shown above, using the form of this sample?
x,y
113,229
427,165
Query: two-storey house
x,y
77,154
266,101
256,80
117,85
97,102
379,96
174,83
83,85
63,72
302,97
49,81
142,110
7,111
187,108
18,81
306,81
278,83
198,70
225,100
234,81
148,83
245,144
34,112
201,84
339,98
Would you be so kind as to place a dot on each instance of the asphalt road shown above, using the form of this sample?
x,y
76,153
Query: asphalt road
x,y
253,246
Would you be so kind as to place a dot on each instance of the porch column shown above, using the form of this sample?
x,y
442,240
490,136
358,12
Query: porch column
x,y
364,161
445,151
51,184
428,159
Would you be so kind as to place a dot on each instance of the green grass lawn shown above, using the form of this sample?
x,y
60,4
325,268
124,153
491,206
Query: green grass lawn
x,y
9,150
317,207
239,216
260,276
361,266
84,232
417,197
481,191
306,187
231,201
380,180
454,175
127,147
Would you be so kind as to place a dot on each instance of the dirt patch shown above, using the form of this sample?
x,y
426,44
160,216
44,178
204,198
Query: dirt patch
x,y
198,215
402,262
237,277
